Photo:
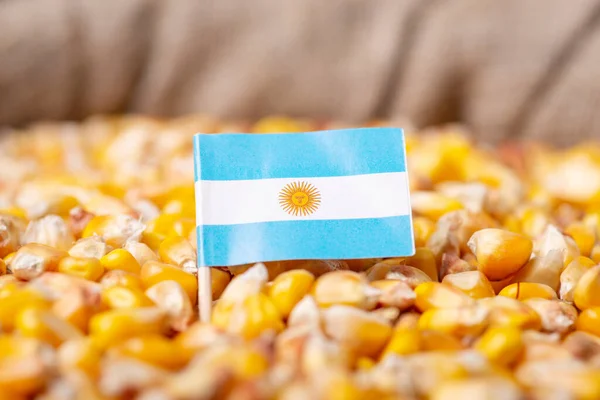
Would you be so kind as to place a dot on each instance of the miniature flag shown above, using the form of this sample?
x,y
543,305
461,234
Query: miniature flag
x,y
337,194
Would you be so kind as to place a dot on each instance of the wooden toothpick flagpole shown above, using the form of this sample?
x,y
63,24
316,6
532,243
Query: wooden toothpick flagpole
x,y
204,294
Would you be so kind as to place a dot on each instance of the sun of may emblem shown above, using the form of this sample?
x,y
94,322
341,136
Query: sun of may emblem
x,y
299,198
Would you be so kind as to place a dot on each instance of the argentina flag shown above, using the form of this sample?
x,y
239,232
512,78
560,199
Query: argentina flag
x,y
340,194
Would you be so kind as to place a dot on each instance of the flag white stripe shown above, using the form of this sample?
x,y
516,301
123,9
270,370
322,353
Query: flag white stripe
x,y
347,197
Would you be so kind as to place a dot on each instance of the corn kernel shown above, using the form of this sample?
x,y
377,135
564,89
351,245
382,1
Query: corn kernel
x,y
125,297
395,294
178,251
119,277
120,259
33,259
86,268
587,290
584,236
504,311
433,205
344,287
464,321
289,288
92,247
170,297
527,290
50,230
79,354
472,283
423,229
501,345
16,300
41,324
155,350
359,331
255,315
219,281
111,327
432,295
595,254
500,253
154,272
589,321
424,260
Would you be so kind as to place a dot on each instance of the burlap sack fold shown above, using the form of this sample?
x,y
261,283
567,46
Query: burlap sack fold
x,y
509,68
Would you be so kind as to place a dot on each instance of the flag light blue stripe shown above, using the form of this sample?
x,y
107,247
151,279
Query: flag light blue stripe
x,y
221,245
299,155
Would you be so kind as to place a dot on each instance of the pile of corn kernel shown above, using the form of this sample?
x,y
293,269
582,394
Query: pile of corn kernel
x,y
98,293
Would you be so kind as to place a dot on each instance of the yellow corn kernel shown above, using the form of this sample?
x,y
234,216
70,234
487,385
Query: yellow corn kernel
x,y
22,377
79,354
512,223
395,269
111,327
594,254
50,230
289,288
250,318
361,264
154,272
423,229
491,388
500,253
182,227
501,345
432,204
344,287
404,341
154,349
424,260
277,124
583,235
42,324
534,221
119,277
365,363
362,333
9,281
182,207
439,341
528,290
170,297
431,295
120,259
504,311
15,212
395,294
587,290
76,308
589,321
116,230
141,252
178,251
33,259
461,321
125,297
93,247
86,268
9,257
199,336
219,281
472,283
2,267
244,362
15,301
11,233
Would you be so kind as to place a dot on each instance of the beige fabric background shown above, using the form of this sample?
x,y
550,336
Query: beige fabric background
x,y
508,68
